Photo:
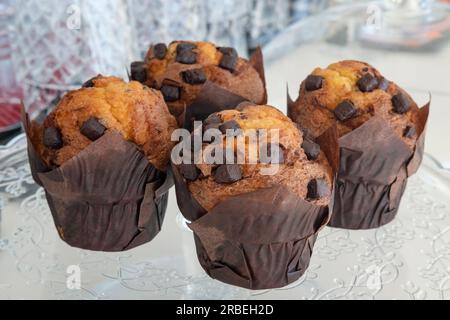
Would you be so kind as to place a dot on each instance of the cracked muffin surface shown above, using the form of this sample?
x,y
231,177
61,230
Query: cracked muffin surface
x,y
106,103
180,69
300,165
349,93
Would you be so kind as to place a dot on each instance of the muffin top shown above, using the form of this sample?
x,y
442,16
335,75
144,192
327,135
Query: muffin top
x,y
180,70
349,93
82,116
300,164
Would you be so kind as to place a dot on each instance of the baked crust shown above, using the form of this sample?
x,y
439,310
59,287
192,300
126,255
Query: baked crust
x,y
314,109
244,80
136,111
295,172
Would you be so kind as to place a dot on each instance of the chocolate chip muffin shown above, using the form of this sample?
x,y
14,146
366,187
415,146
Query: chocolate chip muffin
x,y
349,93
302,166
180,70
106,103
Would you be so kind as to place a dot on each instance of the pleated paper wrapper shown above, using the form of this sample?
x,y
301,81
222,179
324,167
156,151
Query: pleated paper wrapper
x,y
106,198
375,165
257,240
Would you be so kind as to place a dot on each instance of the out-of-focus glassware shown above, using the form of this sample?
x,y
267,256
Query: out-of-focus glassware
x,y
10,93
228,22
62,43
164,21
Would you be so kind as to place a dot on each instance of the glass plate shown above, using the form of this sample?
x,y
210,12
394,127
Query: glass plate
x,y
407,259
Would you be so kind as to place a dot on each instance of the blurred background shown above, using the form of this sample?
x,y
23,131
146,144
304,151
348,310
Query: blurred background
x,y
50,46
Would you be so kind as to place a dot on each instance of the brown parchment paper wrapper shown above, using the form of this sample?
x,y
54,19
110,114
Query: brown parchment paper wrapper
x,y
257,240
373,170
107,198
214,98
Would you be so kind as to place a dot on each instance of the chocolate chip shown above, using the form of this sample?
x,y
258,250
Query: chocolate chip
x,y
313,82
230,125
170,93
365,69
228,51
213,118
92,129
367,83
189,171
383,84
138,71
345,110
400,103
271,149
212,126
194,76
312,149
307,133
228,173
228,62
185,46
90,83
52,138
185,54
409,132
159,51
317,188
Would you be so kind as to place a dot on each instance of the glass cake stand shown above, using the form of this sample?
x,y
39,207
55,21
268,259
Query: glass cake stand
x,y
406,259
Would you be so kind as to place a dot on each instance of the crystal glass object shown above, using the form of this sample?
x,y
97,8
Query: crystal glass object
x,y
60,44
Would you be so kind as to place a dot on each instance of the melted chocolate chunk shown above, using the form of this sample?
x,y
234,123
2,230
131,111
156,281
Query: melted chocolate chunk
x,y
92,129
194,76
138,71
307,133
159,51
383,84
317,188
90,83
230,125
313,82
170,93
52,138
228,62
228,173
345,110
409,132
228,51
312,149
213,118
400,103
185,54
189,171
367,83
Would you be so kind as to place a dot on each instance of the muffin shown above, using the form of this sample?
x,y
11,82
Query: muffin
x,y
349,93
302,165
137,112
381,131
255,213
181,69
101,157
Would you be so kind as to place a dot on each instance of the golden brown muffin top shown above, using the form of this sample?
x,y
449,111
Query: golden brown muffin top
x,y
180,69
82,116
349,93
298,170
